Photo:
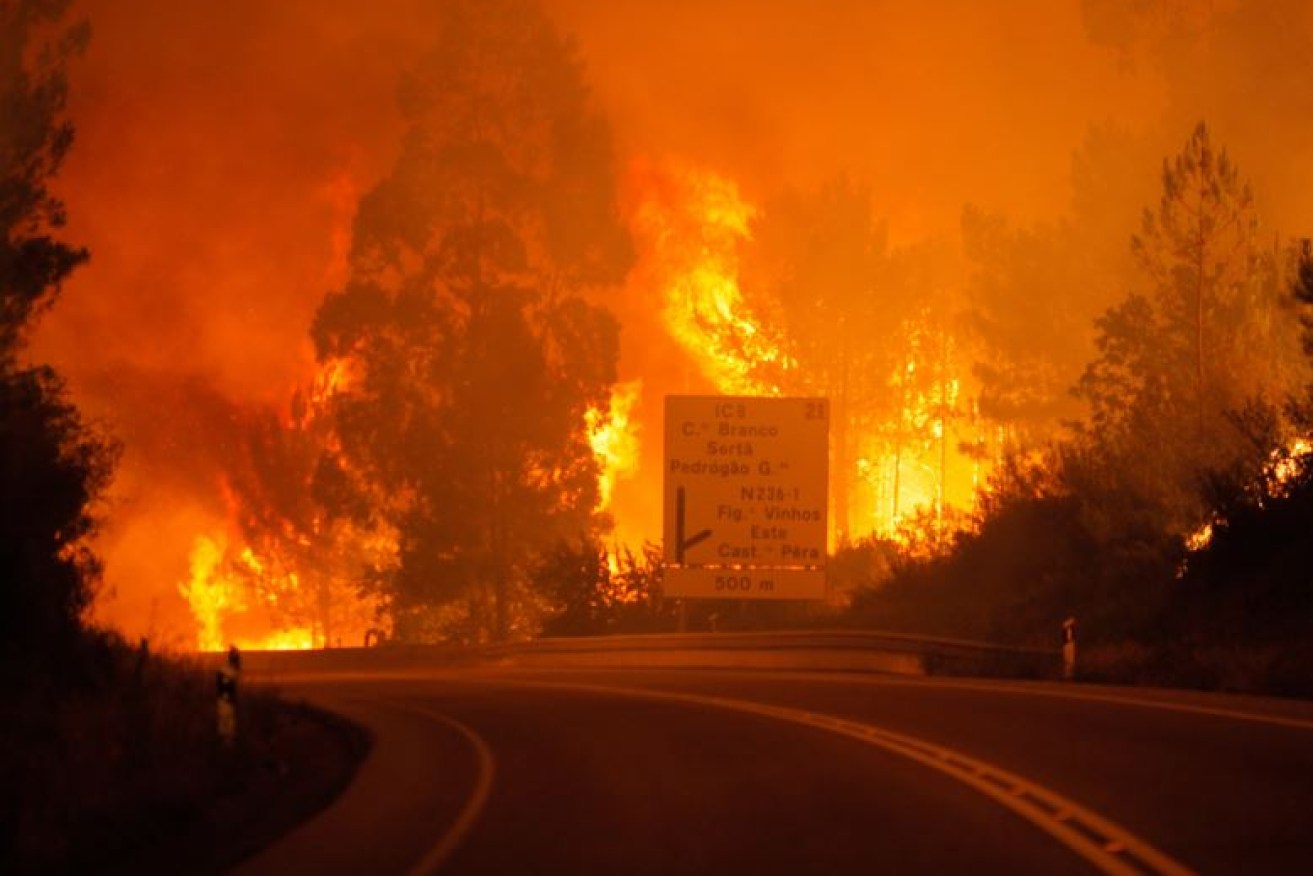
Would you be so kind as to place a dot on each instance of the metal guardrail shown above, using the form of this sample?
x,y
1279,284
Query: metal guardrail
x,y
843,650
933,655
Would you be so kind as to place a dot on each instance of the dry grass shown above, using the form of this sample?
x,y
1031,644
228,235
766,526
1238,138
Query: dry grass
x,y
124,766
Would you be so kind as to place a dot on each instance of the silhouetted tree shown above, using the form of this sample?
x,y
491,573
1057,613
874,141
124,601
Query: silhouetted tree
x,y
474,353
34,139
1027,305
1035,290
52,466
1207,332
575,578
593,593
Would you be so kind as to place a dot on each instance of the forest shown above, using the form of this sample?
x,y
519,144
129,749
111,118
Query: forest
x,y
397,376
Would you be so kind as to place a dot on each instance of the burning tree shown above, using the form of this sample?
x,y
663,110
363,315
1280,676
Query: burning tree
x,y
694,225
477,357
804,297
820,262
874,330
1204,335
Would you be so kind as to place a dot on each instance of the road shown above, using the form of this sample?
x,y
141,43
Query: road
x,y
515,770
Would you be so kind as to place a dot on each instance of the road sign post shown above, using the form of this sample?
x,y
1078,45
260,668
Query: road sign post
x,y
1069,649
745,497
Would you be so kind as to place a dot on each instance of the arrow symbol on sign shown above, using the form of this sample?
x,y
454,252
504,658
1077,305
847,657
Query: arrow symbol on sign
x,y
682,544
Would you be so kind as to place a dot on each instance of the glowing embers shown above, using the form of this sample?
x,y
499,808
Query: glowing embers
x,y
689,225
613,436
1284,466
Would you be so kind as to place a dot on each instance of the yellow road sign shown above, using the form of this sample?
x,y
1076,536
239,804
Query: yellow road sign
x,y
745,488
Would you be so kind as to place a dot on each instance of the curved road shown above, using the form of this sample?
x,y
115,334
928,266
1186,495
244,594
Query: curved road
x,y
710,771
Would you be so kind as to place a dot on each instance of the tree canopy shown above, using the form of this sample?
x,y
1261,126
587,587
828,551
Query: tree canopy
x,y
52,466
34,139
1202,334
473,350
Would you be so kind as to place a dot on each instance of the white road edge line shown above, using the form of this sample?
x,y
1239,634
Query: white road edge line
x,y
1021,689
1164,705
436,857
1106,845
1017,689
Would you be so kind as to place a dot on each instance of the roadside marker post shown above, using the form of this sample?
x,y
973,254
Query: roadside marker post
x,y
1069,649
225,689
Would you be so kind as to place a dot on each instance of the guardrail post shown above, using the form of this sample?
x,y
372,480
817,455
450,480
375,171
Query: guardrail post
x,y
225,690
1069,649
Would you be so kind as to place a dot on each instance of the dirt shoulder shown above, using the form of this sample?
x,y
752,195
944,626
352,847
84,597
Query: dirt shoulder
x,y
115,765
306,757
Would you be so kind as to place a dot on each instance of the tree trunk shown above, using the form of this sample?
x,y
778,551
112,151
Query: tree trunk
x,y
840,476
1201,245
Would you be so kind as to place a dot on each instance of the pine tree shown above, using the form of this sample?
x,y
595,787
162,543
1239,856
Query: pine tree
x,y
1204,335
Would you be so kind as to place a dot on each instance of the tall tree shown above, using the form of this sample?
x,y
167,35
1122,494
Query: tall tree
x,y
1035,290
52,466
818,268
1302,289
1199,251
475,355
1205,332
929,398
1027,307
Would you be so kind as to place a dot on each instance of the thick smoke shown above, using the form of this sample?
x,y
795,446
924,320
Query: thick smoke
x,y
221,148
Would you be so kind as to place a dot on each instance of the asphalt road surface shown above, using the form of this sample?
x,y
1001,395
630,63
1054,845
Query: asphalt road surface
x,y
503,770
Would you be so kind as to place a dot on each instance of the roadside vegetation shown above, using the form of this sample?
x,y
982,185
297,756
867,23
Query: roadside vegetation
x,y
1171,520
115,765
1169,514
109,754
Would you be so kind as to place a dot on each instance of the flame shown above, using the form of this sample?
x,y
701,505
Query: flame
x,y
290,587
291,639
332,378
691,224
613,436
236,597
217,593
1287,465
1283,466
209,594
